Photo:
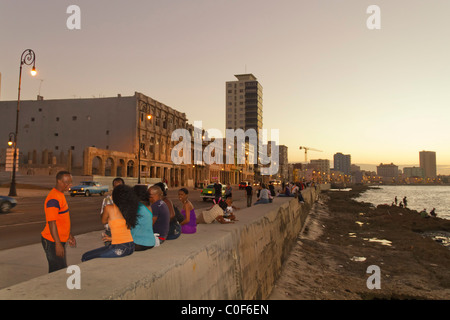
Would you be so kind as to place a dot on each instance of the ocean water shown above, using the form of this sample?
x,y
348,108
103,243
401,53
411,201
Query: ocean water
x,y
418,197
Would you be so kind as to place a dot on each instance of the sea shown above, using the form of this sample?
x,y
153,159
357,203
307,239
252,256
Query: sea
x,y
418,197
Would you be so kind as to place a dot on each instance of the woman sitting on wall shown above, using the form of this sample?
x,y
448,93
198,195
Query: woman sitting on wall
x,y
121,217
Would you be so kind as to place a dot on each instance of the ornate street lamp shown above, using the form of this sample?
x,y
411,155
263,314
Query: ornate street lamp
x,y
28,57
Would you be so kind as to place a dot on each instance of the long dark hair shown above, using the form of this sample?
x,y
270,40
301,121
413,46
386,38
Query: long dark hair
x,y
126,199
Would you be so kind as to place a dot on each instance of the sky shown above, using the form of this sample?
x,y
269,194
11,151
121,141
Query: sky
x,y
329,82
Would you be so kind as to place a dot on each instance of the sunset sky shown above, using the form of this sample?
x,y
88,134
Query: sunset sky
x,y
328,81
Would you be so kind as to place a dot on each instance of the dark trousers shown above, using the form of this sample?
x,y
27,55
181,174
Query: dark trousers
x,y
54,262
249,200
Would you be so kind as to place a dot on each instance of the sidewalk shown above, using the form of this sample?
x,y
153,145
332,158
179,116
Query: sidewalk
x,y
25,263
28,262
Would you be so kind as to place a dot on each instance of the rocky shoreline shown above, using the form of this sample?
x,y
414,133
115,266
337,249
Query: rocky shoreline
x,y
343,237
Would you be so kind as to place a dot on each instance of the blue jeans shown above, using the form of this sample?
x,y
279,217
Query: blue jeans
x,y
111,251
261,201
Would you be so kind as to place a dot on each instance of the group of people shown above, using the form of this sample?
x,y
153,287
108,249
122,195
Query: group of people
x,y
423,213
135,218
139,218
265,194
402,204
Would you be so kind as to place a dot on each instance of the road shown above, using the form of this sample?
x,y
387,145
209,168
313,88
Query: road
x,y
23,225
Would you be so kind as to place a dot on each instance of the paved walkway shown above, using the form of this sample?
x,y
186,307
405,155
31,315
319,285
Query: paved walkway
x,y
28,262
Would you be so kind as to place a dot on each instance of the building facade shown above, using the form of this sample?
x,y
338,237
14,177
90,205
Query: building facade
x,y
119,136
342,163
387,171
244,103
428,163
100,136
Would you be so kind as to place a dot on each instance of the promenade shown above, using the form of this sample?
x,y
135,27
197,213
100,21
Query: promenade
x,y
231,261
28,262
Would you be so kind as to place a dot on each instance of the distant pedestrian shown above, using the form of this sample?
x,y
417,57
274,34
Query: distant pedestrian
x,y
217,192
249,193
433,213
424,213
396,200
404,202
228,191
57,228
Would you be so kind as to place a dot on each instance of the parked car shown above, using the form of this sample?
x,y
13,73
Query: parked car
x,y
88,188
7,203
243,184
209,193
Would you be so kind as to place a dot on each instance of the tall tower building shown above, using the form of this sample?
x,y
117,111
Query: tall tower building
x,y
342,162
428,163
244,103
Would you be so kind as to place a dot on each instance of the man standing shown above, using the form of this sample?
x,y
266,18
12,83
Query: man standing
x,y
161,213
57,229
249,191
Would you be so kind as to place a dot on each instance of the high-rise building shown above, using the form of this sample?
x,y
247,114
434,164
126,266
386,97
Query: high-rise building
x,y
244,103
342,162
428,163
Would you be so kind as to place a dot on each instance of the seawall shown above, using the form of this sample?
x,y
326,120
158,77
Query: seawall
x,y
230,261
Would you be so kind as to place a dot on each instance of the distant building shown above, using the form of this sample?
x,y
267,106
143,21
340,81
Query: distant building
x,y
244,103
428,163
322,165
413,172
284,165
387,170
342,163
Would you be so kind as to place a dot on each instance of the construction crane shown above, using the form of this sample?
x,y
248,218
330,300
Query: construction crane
x,y
306,152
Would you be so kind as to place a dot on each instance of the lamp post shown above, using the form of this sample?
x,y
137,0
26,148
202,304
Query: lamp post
x,y
28,57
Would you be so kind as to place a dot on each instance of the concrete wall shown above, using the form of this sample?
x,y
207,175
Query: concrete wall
x,y
232,261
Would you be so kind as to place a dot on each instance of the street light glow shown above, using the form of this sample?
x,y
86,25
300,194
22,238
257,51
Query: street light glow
x,y
33,71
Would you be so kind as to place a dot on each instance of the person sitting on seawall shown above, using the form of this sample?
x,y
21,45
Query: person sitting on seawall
x,y
189,224
229,211
121,217
161,214
174,225
106,201
287,192
142,233
215,213
264,195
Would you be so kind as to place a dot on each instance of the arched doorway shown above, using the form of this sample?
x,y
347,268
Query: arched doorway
x,y
109,165
130,168
97,166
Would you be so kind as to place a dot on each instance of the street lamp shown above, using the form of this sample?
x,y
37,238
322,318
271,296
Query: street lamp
x,y
28,57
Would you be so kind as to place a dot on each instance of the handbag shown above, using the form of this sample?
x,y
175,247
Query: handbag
x,y
178,216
